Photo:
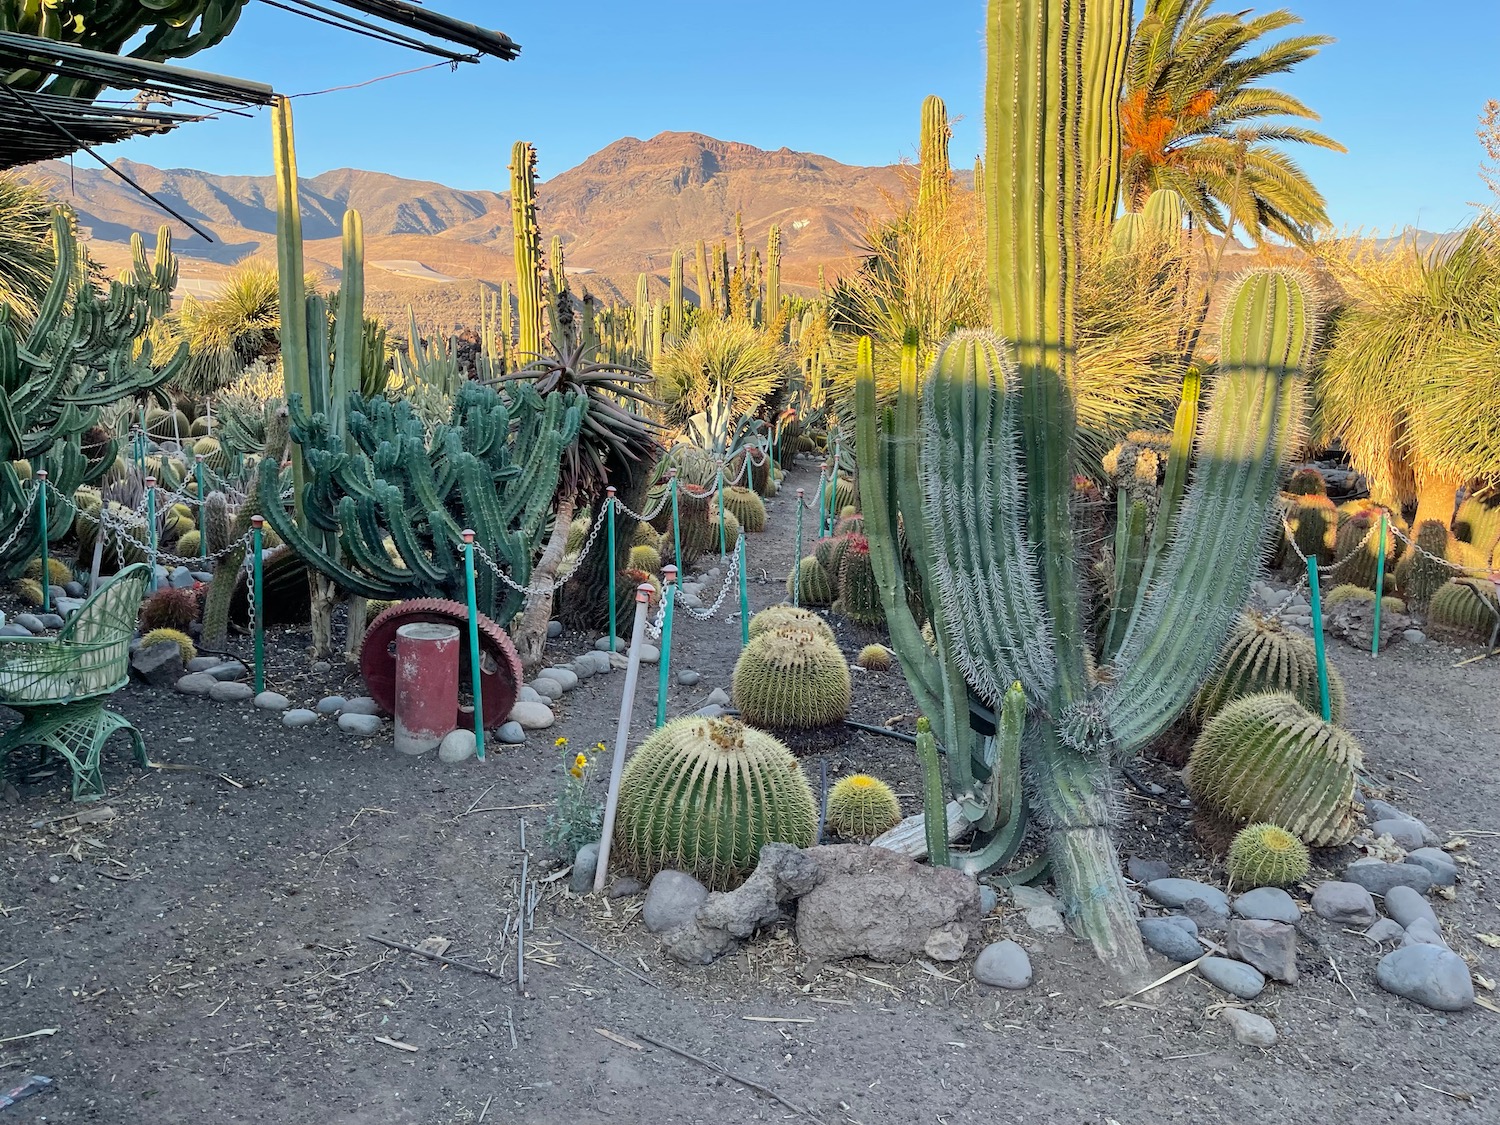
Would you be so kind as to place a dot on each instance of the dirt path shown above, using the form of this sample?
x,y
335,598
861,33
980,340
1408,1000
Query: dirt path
x,y
204,955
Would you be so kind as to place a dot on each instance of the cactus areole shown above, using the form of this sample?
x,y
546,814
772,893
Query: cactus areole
x,y
997,557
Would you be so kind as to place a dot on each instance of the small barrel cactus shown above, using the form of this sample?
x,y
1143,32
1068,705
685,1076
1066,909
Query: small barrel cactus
x,y
644,536
830,553
645,558
169,608
874,658
29,590
780,617
1266,758
841,492
705,795
861,807
1307,482
1419,576
1466,607
810,582
1348,592
1356,550
791,680
183,642
189,545
1260,656
1314,522
1267,855
746,506
859,596
850,525
58,572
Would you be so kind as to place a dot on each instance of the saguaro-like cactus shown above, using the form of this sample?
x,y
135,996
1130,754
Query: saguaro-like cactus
x,y
86,348
936,183
530,313
996,554
773,273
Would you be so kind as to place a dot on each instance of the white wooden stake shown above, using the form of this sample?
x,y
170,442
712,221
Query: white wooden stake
x,y
622,736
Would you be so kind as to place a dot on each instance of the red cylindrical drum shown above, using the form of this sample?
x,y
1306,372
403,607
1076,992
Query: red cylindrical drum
x,y
426,685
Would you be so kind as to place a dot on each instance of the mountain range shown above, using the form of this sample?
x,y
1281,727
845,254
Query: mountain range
x,y
622,212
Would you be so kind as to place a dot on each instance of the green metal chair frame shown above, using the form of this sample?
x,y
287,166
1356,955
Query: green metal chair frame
x,y
59,684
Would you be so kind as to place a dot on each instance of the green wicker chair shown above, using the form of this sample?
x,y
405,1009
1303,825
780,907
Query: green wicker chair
x,y
60,684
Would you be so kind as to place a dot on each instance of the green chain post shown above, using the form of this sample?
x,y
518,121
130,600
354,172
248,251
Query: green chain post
x,y
797,561
1379,588
744,595
151,528
669,592
609,510
676,525
41,504
257,529
202,510
1316,600
475,666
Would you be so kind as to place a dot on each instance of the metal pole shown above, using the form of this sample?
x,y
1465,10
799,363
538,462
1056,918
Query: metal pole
x,y
622,736
722,547
1316,601
151,527
1379,587
257,527
676,526
669,592
609,514
476,669
41,507
797,561
744,596
202,511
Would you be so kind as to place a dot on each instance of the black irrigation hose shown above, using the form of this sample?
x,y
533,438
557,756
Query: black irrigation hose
x,y
881,730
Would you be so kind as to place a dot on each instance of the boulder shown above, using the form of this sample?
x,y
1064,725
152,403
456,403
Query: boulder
x,y
1430,975
1378,876
1234,977
1003,964
1269,904
585,863
726,918
457,746
158,665
532,716
1249,1028
672,901
1438,863
1407,905
228,691
871,902
1270,947
1344,904
1178,892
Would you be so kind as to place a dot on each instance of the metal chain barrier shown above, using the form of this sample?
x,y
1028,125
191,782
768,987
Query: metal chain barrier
x,y
530,592
666,496
21,520
119,533
1291,538
1458,568
730,577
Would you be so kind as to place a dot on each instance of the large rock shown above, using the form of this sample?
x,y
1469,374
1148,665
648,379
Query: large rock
x,y
1407,833
1179,892
196,683
1170,940
672,901
1344,904
227,691
361,726
457,746
871,902
585,863
1406,905
1428,974
1234,977
1269,904
1378,876
726,918
1438,863
532,716
1003,964
158,665
1270,947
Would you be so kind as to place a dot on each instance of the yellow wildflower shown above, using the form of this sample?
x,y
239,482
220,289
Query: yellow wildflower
x,y
581,761
577,772
561,742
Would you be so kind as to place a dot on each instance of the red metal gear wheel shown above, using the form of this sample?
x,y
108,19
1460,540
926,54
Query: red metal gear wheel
x,y
500,667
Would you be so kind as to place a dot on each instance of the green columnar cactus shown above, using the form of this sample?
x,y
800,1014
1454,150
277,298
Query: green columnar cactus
x,y
1478,524
1266,758
746,506
1314,522
530,313
84,349
997,556
1261,656
705,795
1422,570
1465,606
399,501
705,287
936,183
780,617
677,326
791,680
859,595
861,807
1267,855
773,272
811,583
642,322
1356,549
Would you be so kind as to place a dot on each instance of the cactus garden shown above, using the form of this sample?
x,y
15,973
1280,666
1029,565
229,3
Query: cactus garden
x,y
1044,666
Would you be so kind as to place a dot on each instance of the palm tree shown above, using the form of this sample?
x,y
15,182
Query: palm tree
x,y
1408,382
1193,120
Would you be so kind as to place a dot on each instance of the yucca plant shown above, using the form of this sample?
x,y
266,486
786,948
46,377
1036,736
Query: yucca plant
x,y
997,558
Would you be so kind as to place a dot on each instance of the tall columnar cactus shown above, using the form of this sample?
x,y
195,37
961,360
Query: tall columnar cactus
x,y
394,505
677,326
85,349
705,287
642,320
936,183
773,272
997,557
530,313
1423,569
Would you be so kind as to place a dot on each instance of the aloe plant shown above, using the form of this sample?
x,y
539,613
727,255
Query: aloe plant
x,y
997,554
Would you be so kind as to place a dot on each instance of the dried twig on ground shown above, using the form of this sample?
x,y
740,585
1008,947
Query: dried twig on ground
x,y
404,948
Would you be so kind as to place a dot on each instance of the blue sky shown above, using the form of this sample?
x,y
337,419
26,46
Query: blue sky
x,y
1402,88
